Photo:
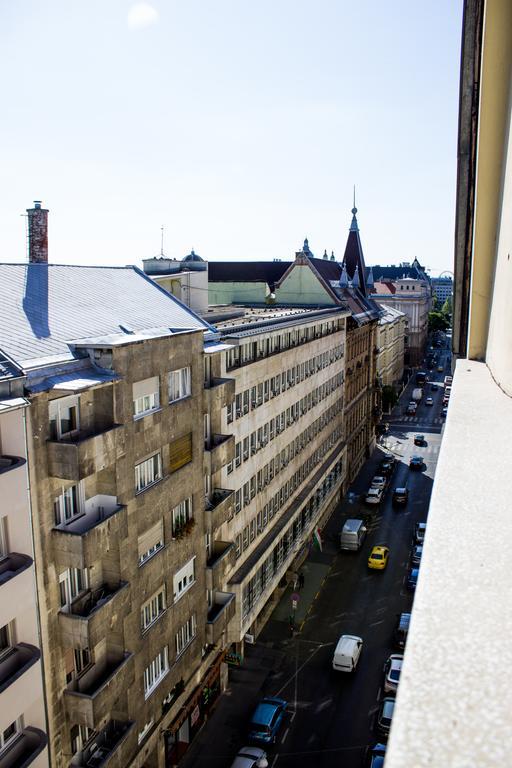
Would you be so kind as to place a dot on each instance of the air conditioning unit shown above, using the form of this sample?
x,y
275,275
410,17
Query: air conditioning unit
x,y
249,639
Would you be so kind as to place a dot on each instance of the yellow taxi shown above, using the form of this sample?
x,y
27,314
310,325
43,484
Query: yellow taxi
x,y
378,557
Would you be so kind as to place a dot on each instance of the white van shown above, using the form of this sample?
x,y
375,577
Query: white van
x,y
347,653
352,534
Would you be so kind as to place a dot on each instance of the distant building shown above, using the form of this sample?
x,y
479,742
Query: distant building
x,y
391,336
187,279
442,288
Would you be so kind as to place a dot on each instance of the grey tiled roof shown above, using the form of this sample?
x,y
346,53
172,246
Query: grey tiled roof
x,y
8,370
42,307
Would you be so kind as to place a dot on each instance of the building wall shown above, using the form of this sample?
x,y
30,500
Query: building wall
x,y
22,692
362,406
391,333
110,550
416,305
237,292
262,512
302,286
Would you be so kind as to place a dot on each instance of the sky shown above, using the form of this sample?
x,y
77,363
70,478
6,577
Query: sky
x,y
239,127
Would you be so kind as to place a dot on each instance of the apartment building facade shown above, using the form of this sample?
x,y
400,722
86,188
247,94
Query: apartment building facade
x,y
288,466
391,336
23,738
413,297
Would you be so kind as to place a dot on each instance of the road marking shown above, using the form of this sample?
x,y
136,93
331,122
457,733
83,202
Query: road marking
x,y
376,623
285,735
274,761
299,670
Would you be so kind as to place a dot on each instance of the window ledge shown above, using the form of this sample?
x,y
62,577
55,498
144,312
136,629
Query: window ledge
x,y
455,698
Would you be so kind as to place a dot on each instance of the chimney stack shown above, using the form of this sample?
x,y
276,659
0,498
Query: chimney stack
x,y
37,234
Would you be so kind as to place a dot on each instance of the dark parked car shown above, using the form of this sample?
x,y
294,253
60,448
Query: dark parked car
x,y
434,387
401,629
400,496
419,439
419,533
267,719
416,463
416,554
385,715
412,578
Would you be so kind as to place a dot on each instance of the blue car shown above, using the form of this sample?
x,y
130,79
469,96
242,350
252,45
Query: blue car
x,y
412,578
376,756
267,719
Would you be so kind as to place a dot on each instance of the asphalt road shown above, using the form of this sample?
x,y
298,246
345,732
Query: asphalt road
x,y
332,715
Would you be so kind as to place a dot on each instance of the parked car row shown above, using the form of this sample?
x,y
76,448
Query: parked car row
x,y
381,480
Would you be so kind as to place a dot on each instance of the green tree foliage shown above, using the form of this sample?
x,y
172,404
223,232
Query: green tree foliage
x,y
446,309
389,397
437,321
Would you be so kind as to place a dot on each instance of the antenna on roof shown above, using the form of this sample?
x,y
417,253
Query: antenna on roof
x,y
162,241
354,195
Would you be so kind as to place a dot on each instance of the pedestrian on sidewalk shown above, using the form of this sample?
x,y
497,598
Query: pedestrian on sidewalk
x,y
301,580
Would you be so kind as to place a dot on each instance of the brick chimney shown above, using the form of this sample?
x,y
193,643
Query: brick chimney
x,y
37,234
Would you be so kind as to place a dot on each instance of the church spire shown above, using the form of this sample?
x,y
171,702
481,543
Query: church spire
x,y
353,226
353,259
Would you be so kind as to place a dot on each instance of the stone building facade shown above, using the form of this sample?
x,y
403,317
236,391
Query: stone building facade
x,y
391,336
23,738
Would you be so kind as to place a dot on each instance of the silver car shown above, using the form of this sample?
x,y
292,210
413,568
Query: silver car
x,y
392,670
250,757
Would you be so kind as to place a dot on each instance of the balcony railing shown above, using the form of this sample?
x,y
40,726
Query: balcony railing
x,y
102,526
83,626
220,507
219,616
12,565
16,662
218,565
24,750
82,454
91,697
221,451
105,749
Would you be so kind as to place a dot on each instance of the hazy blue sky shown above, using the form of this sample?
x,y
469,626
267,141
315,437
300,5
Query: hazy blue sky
x,y
240,126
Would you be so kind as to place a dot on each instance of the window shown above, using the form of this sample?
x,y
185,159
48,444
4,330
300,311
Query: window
x,y
67,506
64,417
152,609
184,579
238,454
150,542
180,384
10,734
156,672
82,659
146,396
180,452
7,638
72,582
181,515
80,735
185,635
148,472
4,541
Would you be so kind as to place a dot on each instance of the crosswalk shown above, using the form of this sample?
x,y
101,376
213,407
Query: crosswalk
x,y
426,421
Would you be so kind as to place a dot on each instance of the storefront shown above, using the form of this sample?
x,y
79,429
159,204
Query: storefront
x,y
195,712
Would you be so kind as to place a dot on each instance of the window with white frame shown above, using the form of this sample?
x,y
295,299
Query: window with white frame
x,y
9,735
7,638
150,542
184,579
181,515
148,472
152,609
185,635
72,582
67,505
180,384
156,671
80,735
64,417
146,396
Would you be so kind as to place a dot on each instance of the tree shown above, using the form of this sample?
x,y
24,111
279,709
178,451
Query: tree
x,y
437,321
446,309
389,397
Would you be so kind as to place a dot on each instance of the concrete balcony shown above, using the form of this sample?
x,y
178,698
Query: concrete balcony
x,y
219,508
111,747
93,615
8,463
86,538
219,451
219,393
82,455
20,677
219,616
92,696
25,750
219,564
12,565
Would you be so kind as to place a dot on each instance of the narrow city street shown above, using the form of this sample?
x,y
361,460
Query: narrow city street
x,y
331,715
